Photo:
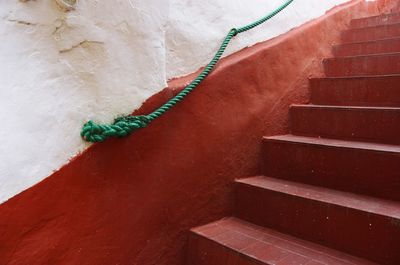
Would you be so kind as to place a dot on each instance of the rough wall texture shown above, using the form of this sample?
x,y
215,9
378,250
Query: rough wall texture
x,y
58,69
105,58
131,200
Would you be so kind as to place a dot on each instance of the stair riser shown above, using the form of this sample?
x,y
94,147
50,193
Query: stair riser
x,y
371,33
203,251
375,21
360,233
361,171
380,92
362,65
381,126
387,46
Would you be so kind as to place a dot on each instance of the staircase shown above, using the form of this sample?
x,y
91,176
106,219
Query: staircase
x,y
330,193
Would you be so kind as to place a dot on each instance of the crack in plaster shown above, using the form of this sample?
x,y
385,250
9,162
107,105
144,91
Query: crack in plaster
x,y
83,44
22,22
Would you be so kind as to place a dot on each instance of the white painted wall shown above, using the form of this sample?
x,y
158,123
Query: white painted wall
x,y
59,69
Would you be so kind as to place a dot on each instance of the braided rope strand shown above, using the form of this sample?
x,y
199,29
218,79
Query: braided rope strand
x,y
125,125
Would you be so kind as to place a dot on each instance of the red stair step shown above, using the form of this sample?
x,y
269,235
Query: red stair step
x,y
371,33
366,168
369,47
377,64
371,124
232,241
383,91
363,226
375,20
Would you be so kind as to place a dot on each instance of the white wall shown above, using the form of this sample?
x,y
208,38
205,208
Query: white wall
x,y
59,69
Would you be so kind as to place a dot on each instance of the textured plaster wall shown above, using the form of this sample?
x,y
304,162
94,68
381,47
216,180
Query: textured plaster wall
x,y
58,69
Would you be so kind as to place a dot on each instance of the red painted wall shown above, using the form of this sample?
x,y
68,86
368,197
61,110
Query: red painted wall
x,y
132,200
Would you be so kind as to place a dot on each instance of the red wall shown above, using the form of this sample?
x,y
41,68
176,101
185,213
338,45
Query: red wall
x,y
132,200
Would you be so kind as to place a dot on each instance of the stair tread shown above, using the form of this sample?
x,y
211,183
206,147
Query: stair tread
x,y
378,46
335,143
391,24
358,56
357,77
361,65
375,20
379,16
345,199
335,107
368,41
370,91
269,246
373,31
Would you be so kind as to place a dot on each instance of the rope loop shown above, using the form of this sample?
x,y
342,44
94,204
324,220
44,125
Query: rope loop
x,y
234,31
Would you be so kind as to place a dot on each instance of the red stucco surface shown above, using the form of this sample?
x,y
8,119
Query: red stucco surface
x,y
132,200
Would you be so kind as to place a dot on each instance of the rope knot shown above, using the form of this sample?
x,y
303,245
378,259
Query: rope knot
x,y
122,126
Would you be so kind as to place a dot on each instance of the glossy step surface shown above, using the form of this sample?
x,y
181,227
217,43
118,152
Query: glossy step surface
x,y
375,20
376,64
231,241
360,167
378,32
369,47
370,124
341,220
379,91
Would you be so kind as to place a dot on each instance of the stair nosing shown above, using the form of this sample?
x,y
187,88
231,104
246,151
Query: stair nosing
x,y
388,54
376,26
380,15
290,239
333,194
230,248
335,143
366,42
355,77
345,107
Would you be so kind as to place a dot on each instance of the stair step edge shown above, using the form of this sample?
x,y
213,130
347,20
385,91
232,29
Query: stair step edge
x,y
362,56
378,206
262,240
335,107
334,143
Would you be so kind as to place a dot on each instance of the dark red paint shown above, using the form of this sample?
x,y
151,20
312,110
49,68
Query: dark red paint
x,y
132,200
369,47
376,64
375,20
344,221
366,168
356,91
369,124
386,31
233,241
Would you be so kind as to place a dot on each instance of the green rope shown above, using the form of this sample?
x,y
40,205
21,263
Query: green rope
x,y
123,126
